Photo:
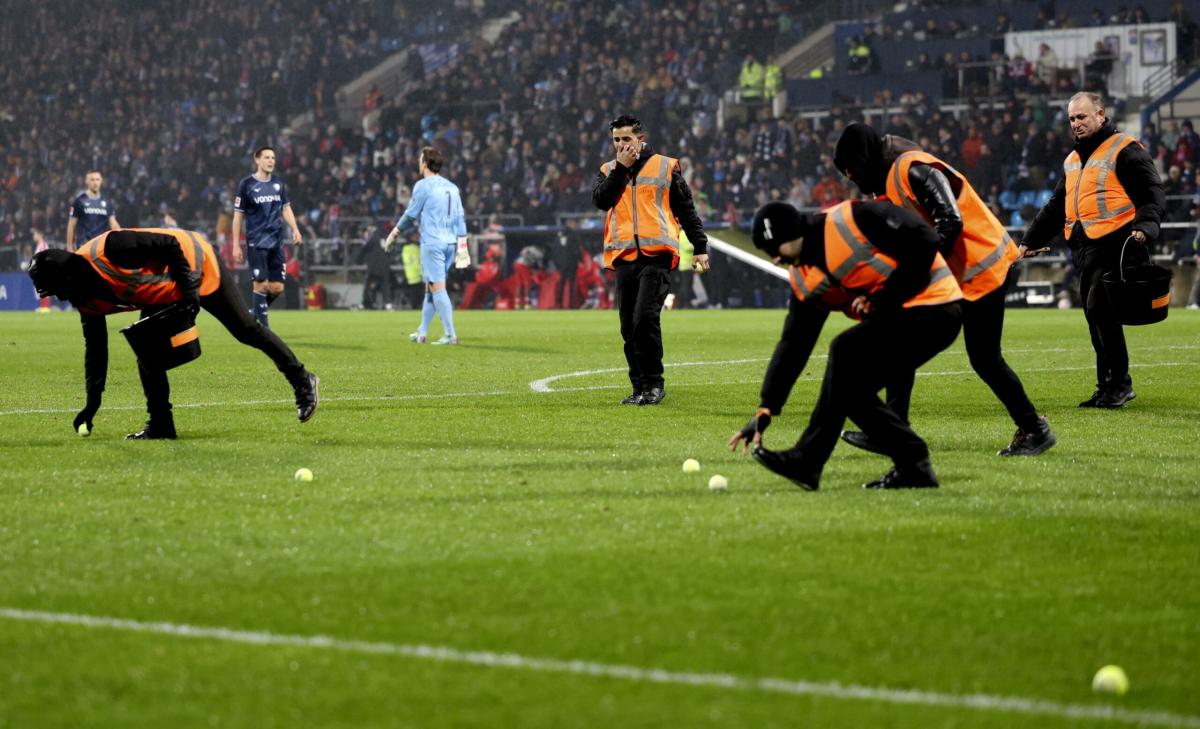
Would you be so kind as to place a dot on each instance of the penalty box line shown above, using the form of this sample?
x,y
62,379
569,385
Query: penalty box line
x,y
635,674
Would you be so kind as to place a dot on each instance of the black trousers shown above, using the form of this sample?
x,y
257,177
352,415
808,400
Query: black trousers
x,y
229,308
982,328
1108,337
642,287
862,361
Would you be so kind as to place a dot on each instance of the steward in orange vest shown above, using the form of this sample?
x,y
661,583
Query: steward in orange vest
x,y
647,203
147,269
878,263
1110,192
978,250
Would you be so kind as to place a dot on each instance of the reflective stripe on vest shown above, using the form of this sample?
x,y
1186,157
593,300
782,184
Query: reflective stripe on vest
x,y
856,265
984,252
641,220
148,287
1095,197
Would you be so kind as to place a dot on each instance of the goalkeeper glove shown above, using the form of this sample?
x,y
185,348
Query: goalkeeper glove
x,y
462,257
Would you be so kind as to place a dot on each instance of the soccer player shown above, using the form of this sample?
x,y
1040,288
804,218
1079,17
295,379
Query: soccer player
x,y
262,201
91,212
438,207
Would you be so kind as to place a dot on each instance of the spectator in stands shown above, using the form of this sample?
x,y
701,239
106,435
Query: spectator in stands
x,y
1133,209
1047,64
752,78
1099,66
829,190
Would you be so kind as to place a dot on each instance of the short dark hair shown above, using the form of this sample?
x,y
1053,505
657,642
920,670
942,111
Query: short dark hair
x,y
265,148
433,159
626,120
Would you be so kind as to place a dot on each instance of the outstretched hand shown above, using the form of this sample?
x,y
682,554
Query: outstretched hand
x,y
751,434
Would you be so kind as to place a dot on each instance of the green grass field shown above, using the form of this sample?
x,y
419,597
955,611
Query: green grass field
x,y
554,562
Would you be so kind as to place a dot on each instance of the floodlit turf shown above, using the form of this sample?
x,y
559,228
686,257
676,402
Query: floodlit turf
x,y
456,507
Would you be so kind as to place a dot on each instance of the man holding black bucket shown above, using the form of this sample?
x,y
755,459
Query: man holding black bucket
x,y
150,270
1110,192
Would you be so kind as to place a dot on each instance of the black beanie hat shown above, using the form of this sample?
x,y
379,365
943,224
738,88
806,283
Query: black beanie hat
x,y
861,148
775,224
51,272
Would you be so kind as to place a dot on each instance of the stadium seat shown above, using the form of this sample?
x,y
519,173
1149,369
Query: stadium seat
x,y
1008,200
1016,220
1028,197
1043,197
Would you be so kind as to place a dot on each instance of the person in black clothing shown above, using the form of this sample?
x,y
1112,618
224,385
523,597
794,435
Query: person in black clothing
x,y
1100,231
980,253
149,254
906,321
379,277
644,252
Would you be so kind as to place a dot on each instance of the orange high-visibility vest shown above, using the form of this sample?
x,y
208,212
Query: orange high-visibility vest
x,y
1095,197
642,218
151,285
857,267
984,252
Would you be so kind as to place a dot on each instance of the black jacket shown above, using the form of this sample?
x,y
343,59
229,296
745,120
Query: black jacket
x,y
1137,175
608,190
895,231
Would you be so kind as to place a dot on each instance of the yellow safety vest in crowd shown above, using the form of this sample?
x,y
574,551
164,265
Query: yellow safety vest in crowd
x,y
774,81
751,80
1095,197
984,250
642,218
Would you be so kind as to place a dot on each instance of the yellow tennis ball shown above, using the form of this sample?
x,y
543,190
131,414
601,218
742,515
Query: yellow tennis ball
x,y
718,484
83,430
304,474
691,465
1111,679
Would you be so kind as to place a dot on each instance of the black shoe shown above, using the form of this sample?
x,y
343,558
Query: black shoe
x,y
919,475
634,398
862,440
787,464
155,430
1031,443
307,397
1095,398
1116,397
653,396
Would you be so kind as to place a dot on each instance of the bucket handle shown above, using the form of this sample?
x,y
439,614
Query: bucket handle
x,y
1121,263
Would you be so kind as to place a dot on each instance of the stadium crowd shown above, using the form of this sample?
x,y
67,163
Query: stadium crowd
x,y
522,122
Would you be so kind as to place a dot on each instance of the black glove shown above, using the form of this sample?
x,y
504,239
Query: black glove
x,y
191,300
753,430
88,412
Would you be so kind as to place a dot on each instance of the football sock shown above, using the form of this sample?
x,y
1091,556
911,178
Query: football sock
x,y
427,311
261,308
445,311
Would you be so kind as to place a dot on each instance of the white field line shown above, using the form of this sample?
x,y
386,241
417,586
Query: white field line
x,y
543,385
488,659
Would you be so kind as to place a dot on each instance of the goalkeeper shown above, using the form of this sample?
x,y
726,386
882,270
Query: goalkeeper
x,y
437,206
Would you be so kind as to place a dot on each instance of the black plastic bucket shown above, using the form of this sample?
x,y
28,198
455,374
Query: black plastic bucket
x,y
1140,294
165,339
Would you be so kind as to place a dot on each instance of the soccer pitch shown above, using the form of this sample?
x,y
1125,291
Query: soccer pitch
x,y
491,540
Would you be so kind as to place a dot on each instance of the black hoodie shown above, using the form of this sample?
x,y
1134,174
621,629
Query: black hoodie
x,y
1136,173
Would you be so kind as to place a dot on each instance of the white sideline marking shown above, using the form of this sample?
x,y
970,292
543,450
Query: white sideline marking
x,y
446,654
584,388
543,385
